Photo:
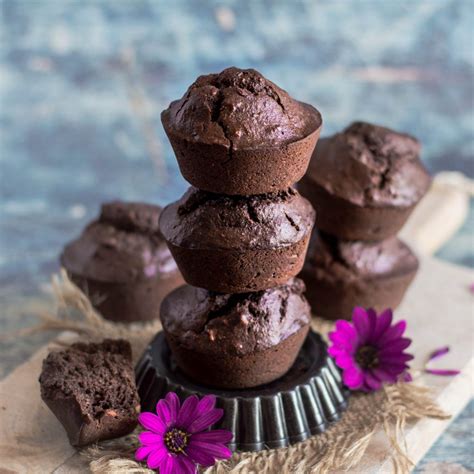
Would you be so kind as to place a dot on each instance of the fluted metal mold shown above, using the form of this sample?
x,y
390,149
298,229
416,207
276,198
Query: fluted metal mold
x,y
300,404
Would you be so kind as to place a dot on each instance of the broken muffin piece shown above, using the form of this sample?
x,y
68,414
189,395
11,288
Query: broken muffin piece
x,y
91,390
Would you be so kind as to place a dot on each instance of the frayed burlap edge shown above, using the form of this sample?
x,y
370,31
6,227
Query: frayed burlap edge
x,y
339,448
73,312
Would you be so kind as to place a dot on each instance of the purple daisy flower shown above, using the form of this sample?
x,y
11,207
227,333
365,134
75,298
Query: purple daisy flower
x,y
178,436
371,350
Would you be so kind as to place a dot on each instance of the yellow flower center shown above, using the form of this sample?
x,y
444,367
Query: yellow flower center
x,y
176,440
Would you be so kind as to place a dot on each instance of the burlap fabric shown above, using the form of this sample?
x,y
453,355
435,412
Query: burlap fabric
x,y
339,448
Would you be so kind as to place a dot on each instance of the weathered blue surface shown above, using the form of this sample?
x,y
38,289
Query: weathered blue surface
x,y
454,447
82,85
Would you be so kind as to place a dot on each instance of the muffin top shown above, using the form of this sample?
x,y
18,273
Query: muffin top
x,y
235,324
123,244
349,260
239,109
370,166
205,220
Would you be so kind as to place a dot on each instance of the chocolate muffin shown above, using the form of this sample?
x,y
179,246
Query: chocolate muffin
x,y
235,244
236,341
122,262
91,390
238,133
342,274
365,182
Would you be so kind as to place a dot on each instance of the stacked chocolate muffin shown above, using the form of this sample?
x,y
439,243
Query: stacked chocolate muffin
x,y
364,184
240,234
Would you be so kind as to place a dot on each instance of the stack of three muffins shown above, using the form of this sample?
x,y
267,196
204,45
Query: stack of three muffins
x,y
239,237
364,184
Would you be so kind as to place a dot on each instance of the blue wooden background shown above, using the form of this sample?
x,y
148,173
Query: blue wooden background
x,y
82,85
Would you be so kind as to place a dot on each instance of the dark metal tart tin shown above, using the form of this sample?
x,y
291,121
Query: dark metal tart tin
x,y
300,404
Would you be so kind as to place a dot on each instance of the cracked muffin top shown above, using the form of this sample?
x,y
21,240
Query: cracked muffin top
x,y
370,165
237,323
239,109
337,259
205,220
122,245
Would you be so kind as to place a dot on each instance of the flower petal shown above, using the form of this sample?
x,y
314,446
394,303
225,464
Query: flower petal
x,y
384,375
340,339
445,372
372,320
168,465
344,361
406,377
148,438
334,351
151,422
395,345
353,378
394,332
387,355
164,413
345,326
348,330
173,403
394,358
371,381
438,352
198,456
393,368
206,404
206,420
187,412
383,323
143,451
361,323
216,450
214,436
156,458
185,465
